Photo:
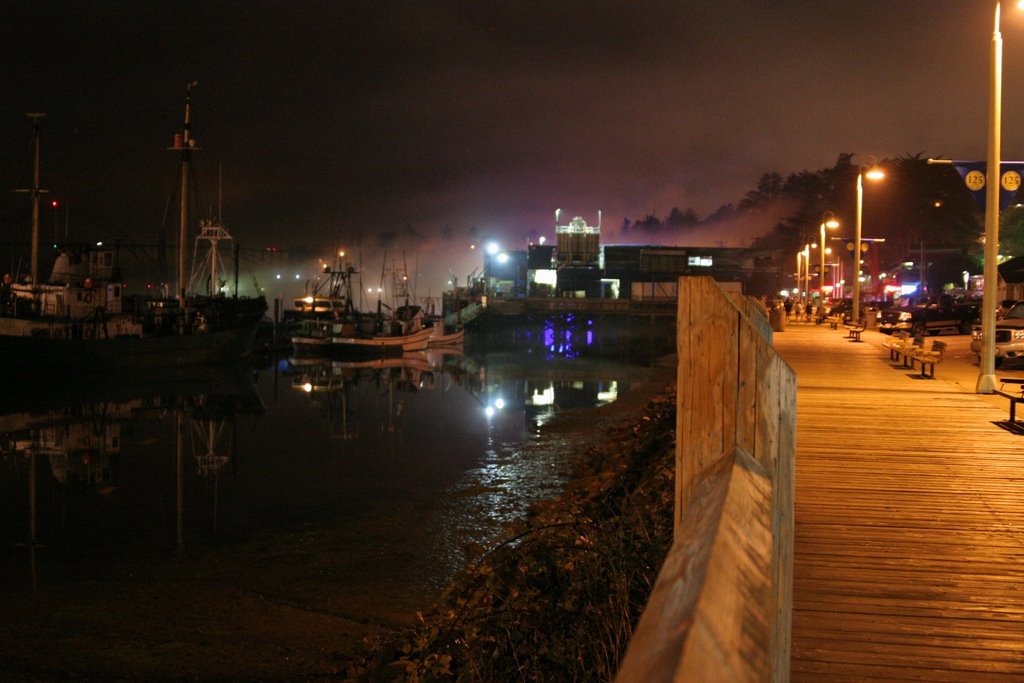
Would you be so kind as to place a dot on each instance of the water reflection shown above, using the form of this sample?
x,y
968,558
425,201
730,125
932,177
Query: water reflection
x,y
399,461
66,441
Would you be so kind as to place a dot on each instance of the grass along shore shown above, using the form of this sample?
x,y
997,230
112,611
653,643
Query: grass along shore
x,y
556,597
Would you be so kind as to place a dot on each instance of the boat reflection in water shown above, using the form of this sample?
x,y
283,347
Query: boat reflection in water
x,y
67,439
349,487
329,382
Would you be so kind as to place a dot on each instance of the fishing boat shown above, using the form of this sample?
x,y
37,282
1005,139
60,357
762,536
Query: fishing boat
x,y
82,318
404,332
440,337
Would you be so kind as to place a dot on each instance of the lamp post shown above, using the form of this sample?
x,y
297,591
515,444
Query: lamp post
x,y
799,272
987,362
828,220
807,276
872,173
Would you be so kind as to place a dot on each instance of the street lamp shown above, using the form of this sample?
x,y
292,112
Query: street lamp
x,y
799,275
987,361
872,173
807,277
828,220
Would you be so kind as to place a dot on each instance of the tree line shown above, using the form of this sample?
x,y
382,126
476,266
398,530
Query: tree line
x,y
917,206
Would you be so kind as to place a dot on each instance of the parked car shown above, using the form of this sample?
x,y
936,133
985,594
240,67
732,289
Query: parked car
x,y
1009,342
841,307
930,315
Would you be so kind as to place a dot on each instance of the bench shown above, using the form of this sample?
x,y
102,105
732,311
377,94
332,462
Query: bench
x,y
928,357
853,330
833,321
905,349
895,344
1015,398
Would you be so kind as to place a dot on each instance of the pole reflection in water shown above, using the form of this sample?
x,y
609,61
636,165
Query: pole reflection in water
x,y
79,431
371,475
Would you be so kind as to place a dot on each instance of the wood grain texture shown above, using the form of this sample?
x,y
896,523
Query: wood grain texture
x,y
909,529
720,609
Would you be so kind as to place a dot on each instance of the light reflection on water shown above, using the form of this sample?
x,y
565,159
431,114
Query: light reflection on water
x,y
403,461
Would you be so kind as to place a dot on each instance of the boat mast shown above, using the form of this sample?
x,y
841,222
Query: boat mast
x,y
184,144
34,193
35,202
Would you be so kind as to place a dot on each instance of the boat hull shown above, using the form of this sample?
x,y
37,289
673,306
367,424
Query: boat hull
x,y
450,339
384,344
25,353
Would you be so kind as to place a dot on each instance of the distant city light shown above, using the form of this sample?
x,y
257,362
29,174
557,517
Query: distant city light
x,y
492,248
542,239
279,276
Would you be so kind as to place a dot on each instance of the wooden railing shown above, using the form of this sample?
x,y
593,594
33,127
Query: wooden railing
x,y
721,607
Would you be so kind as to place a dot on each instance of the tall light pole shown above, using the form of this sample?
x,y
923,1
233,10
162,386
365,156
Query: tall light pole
x,y
828,220
807,276
799,272
872,173
987,373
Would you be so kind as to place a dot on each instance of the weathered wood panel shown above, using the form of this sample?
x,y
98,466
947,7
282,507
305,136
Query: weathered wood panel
x,y
720,609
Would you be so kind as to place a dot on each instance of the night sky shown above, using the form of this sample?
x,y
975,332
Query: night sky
x,y
402,125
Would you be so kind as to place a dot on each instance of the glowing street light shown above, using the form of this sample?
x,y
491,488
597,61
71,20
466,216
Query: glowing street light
x,y
828,220
807,276
987,361
872,173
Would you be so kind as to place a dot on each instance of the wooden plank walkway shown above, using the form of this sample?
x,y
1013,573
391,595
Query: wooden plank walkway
x,y
909,546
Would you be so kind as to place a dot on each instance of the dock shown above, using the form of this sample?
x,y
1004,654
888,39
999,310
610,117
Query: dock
x,y
909,517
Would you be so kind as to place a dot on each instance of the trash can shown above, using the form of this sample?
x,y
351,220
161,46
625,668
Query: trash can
x,y
777,319
871,317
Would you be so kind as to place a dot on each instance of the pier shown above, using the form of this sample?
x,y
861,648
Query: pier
x,y
839,517
909,525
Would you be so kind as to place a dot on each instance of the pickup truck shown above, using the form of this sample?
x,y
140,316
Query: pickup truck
x,y
1009,344
930,315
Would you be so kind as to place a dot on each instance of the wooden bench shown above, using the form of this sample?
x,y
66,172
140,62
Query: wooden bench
x,y
902,352
928,357
853,330
895,344
833,321
1015,398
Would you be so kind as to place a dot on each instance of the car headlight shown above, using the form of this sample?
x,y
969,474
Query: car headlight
x,y
1018,334
905,316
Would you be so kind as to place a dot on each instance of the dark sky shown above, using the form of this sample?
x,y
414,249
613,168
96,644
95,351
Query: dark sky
x,y
332,119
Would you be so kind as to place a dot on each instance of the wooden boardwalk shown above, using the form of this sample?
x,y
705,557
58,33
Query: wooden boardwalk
x,y
909,546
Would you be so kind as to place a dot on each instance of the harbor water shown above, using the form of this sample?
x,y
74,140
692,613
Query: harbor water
x,y
353,488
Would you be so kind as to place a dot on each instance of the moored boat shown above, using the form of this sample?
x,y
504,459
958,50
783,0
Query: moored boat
x,y
404,332
82,317
440,337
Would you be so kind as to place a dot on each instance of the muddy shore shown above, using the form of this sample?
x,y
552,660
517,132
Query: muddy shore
x,y
272,608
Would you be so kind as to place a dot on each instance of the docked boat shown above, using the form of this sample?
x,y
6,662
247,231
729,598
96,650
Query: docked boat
x,y
82,317
402,333
440,337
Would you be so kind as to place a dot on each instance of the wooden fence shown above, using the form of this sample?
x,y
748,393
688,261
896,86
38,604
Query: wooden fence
x,y
721,607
